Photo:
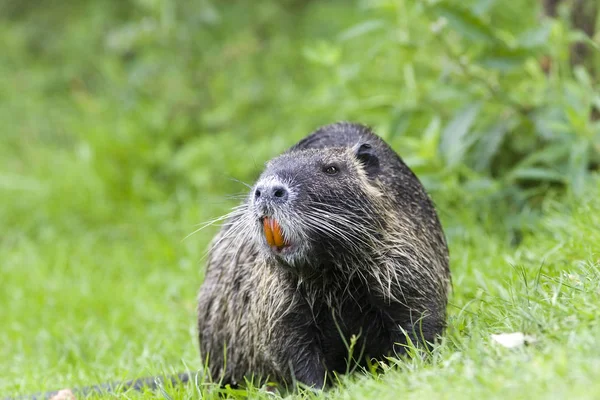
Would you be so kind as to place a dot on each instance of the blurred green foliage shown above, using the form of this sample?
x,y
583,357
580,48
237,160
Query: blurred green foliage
x,y
159,96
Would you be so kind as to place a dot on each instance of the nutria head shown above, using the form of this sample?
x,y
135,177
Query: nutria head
x,y
313,208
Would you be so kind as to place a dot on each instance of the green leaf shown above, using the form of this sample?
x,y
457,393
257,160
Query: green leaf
x,y
536,174
596,101
550,155
465,22
432,132
535,37
429,145
482,6
579,159
592,42
454,141
323,53
400,123
582,76
579,36
489,143
504,59
361,29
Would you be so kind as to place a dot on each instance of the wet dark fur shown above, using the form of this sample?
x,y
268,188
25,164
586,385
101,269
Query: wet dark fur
x,y
376,268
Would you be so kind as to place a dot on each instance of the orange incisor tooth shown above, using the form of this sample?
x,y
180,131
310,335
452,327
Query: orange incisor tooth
x,y
277,234
273,232
268,232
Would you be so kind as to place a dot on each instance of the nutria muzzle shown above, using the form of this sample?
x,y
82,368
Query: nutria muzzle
x,y
270,192
270,196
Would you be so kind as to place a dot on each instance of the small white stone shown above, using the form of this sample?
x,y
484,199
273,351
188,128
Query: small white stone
x,y
512,340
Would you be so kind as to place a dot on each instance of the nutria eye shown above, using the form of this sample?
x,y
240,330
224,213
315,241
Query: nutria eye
x,y
331,170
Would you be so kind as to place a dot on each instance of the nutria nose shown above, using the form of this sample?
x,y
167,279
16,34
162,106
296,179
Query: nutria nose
x,y
274,193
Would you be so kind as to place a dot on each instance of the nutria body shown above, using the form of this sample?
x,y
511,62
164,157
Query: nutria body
x,y
336,238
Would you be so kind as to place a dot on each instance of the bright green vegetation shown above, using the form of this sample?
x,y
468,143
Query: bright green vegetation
x,y
125,124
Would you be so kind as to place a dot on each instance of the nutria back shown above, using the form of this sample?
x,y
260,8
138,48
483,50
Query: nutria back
x,y
337,239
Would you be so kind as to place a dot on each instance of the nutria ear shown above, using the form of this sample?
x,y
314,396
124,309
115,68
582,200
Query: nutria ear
x,y
366,155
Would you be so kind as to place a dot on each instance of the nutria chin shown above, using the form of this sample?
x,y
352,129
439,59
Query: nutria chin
x,y
336,238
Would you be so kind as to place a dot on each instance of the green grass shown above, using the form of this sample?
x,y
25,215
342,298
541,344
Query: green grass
x,y
125,124
88,302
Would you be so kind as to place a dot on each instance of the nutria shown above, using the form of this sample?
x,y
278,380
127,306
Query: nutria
x,y
336,238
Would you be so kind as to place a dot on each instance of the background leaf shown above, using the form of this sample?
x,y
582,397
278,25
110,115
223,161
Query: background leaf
x,y
455,140
465,22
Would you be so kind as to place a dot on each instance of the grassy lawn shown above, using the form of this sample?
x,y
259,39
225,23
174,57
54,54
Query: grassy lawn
x,y
123,127
89,300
